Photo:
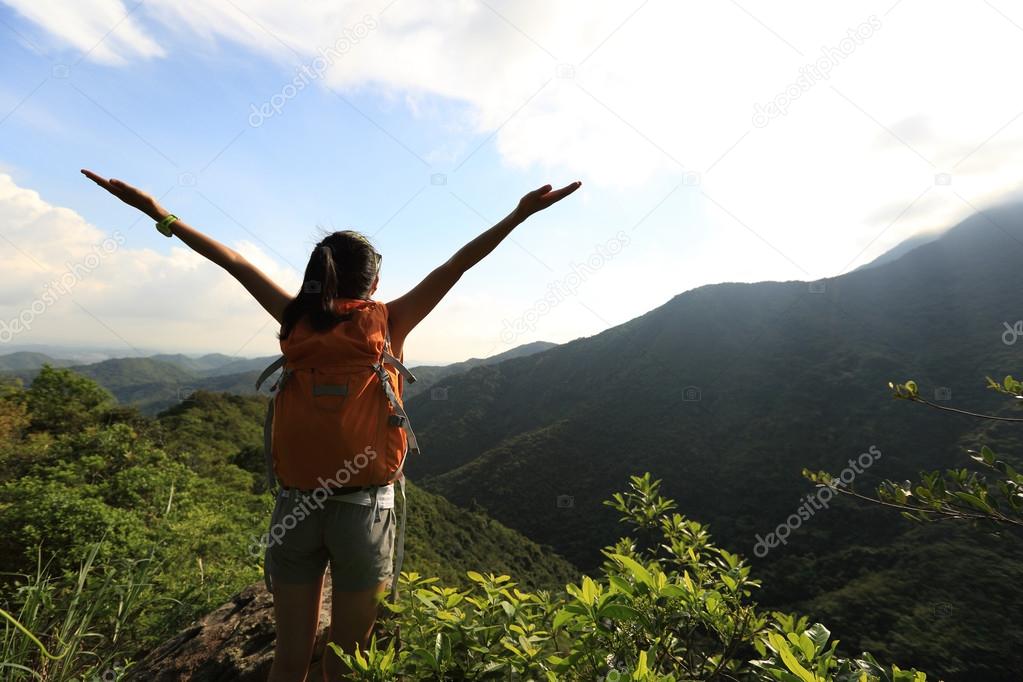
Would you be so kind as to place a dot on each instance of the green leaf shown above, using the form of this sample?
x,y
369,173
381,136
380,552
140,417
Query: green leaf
x,y
620,612
360,660
635,568
563,616
973,500
806,646
388,659
819,635
512,648
782,647
641,667
620,584
674,592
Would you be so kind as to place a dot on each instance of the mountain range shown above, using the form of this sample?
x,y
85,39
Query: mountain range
x,y
727,391
159,381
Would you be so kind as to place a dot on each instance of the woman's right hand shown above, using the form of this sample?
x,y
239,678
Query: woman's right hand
x,y
130,195
539,199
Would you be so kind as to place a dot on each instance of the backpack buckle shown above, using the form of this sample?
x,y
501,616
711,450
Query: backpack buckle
x,y
396,420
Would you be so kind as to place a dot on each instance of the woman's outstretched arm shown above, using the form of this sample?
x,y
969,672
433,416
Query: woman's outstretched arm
x,y
409,310
269,295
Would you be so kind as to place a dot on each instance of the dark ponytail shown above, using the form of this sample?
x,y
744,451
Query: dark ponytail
x,y
343,265
329,289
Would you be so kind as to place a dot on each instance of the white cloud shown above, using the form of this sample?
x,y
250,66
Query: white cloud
x,y
657,88
72,283
661,83
106,29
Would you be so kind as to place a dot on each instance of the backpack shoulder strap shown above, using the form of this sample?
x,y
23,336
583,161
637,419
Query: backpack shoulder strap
x,y
399,549
266,373
400,417
390,359
398,365
268,422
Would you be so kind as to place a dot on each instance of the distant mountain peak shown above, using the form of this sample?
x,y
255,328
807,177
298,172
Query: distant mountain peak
x,y
901,249
1005,217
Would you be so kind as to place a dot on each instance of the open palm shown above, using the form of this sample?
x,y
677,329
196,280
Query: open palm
x,y
539,199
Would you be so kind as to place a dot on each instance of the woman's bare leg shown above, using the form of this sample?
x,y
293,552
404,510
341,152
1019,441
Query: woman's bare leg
x,y
353,615
297,610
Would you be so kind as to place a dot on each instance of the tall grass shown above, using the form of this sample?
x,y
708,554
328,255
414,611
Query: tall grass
x,y
74,626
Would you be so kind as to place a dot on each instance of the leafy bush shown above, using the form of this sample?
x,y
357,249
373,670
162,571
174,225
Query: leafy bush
x,y
673,607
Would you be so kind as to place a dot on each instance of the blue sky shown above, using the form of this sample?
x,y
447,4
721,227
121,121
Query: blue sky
x,y
436,117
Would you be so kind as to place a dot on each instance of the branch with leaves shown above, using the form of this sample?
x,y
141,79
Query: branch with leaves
x,y
909,391
993,495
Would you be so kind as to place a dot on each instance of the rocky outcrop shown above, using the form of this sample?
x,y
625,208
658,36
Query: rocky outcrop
x,y
235,643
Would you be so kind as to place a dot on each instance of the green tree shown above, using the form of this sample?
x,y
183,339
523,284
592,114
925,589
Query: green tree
x,y
62,401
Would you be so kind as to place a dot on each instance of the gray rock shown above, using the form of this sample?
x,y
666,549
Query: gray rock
x,y
234,643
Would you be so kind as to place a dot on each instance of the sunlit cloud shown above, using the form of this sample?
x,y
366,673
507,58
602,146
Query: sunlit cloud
x,y
106,31
808,137
68,282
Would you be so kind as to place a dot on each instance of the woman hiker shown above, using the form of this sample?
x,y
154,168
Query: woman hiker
x,y
339,429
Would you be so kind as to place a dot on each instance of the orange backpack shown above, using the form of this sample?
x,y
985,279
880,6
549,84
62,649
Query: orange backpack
x,y
336,417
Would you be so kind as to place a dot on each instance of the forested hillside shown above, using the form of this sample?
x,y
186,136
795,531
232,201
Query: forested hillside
x,y
428,375
172,508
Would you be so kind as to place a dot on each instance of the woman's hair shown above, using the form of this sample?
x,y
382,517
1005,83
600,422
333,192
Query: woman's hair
x,y
343,265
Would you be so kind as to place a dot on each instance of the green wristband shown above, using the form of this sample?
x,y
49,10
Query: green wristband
x,y
164,225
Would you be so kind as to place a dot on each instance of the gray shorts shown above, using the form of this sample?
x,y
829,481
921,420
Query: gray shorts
x,y
305,537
